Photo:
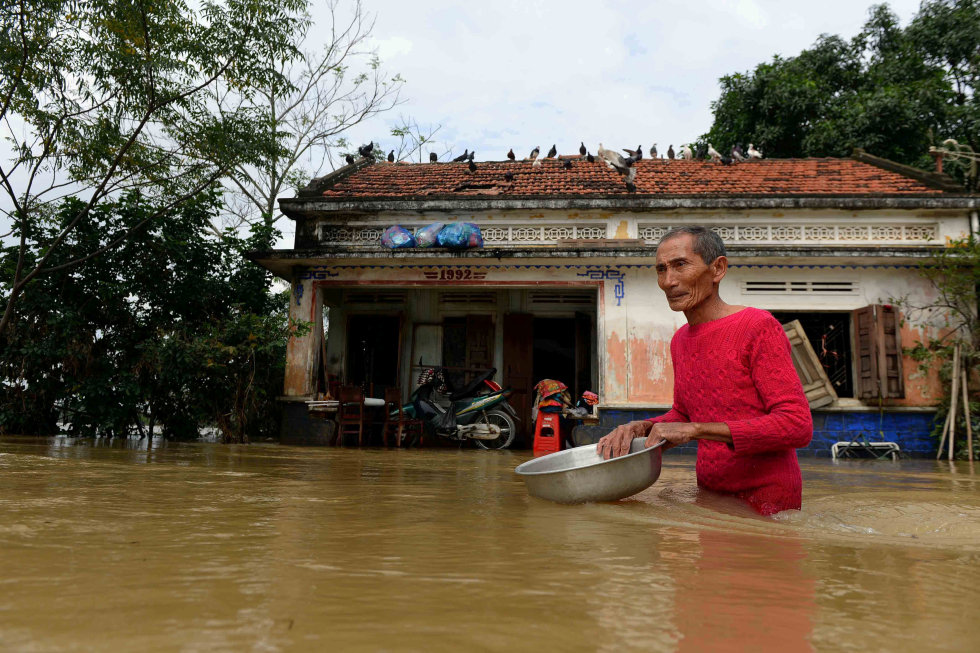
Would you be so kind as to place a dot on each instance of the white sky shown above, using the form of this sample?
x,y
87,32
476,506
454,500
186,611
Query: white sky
x,y
520,73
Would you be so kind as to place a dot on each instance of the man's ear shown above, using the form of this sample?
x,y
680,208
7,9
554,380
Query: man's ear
x,y
719,268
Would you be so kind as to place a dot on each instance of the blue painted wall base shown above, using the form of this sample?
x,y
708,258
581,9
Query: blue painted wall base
x,y
909,430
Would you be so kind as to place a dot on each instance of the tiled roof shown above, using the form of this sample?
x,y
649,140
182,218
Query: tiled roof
x,y
655,177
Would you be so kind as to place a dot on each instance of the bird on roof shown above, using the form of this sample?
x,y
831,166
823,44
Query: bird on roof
x,y
702,151
462,157
636,154
616,162
534,153
590,158
670,151
433,157
510,154
552,152
509,176
365,150
714,154
472,166
685,152
391,156
472,154
536,163
349,159
653,151
566,164
754,153
630,186
737,153
581,149
726,160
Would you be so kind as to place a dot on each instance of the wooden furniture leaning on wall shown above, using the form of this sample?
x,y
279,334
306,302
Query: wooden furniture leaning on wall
x,y
350,414
399,425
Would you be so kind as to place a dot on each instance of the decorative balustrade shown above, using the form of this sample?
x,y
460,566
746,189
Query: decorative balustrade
x,y
782,234
760,234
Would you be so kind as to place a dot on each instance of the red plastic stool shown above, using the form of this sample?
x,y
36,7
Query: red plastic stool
x,y
547,433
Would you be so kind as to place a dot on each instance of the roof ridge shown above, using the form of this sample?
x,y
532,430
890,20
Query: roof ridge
x,y
937,180
319,184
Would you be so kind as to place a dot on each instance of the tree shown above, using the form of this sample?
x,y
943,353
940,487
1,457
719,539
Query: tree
x,y
332,90
891,91
106,96
954,273
173,330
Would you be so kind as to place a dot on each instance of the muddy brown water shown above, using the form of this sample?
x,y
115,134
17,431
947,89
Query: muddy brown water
x,y
202,547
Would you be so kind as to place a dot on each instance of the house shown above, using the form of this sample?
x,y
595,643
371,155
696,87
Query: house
x,y
565,286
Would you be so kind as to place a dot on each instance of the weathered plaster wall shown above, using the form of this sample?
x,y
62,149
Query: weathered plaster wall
x,y
300,350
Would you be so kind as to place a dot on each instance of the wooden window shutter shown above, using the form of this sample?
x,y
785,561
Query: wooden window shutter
x,y
878,340
890,352
866,342
816,384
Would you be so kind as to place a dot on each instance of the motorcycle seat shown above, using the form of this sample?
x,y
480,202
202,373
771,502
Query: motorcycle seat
x,y
470,389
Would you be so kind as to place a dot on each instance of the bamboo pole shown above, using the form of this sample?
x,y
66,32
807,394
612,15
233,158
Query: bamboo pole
x,y
952,401
966,414
942,440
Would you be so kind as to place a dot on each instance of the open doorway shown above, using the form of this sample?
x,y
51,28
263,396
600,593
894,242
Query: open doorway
x,y
373,352
562,350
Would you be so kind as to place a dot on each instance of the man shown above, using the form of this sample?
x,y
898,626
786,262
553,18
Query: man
x,y
735,388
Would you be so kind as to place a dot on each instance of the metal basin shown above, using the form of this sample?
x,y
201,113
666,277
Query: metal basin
x,y
580,475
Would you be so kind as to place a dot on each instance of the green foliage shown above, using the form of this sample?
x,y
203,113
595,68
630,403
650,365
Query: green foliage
x,y
114,95
173,329
954,274
891,91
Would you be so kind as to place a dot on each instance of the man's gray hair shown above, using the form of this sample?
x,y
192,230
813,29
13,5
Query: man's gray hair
x,y
707,244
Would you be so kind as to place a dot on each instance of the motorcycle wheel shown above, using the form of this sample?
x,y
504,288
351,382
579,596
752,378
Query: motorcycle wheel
x,y
508,430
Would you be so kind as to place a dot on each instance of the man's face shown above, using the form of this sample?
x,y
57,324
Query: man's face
x,y
682,275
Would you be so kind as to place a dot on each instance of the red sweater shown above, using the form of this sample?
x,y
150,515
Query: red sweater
x,y
738,370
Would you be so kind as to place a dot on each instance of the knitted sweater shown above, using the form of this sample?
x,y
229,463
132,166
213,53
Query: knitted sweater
x,y
738,370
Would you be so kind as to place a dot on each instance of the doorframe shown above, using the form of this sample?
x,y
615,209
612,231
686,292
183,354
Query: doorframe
x,y
598,284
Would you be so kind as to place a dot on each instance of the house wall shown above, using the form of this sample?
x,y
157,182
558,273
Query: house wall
x,y
634,324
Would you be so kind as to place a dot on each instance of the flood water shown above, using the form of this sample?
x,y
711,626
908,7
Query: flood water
x,y
203,547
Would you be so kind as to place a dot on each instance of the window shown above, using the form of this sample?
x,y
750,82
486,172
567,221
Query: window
x,y
860,351
829,335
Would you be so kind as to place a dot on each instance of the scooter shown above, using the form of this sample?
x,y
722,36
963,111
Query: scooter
x,y
477,412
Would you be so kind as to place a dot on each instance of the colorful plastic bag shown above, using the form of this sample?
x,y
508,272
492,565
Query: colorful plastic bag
x,y
461,235
428,236
397,237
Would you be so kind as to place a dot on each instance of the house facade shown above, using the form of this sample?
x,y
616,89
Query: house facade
x,y
565,286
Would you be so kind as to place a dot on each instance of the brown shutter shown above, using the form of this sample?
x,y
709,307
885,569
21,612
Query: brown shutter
x,y
866,344
518,360
878,339
816,384
890,352
479,343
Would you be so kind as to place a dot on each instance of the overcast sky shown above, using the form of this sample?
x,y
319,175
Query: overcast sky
x,y
520,73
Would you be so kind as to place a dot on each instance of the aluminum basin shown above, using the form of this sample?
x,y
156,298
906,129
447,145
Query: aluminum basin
x,y
580,475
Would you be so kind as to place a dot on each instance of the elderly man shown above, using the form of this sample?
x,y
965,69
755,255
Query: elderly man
x,y
735,388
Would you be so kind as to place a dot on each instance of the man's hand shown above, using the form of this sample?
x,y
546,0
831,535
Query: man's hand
x,y
672,433
617,442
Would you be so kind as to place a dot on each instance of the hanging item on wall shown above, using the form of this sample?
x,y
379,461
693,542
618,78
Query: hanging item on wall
x,y
397,237
428,236
461,235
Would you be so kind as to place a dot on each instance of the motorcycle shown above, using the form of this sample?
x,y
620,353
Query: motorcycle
x,y
478,412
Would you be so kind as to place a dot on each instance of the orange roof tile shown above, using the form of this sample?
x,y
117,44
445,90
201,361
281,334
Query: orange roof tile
x,y
655,177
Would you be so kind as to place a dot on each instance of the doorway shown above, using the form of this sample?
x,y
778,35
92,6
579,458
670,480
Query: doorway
x,y
373,352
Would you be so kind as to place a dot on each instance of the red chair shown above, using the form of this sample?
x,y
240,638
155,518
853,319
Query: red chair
x,y
350,414
547,433
397,423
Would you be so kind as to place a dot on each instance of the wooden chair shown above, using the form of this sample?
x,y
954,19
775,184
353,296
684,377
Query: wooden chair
x,y
350,414
397,423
